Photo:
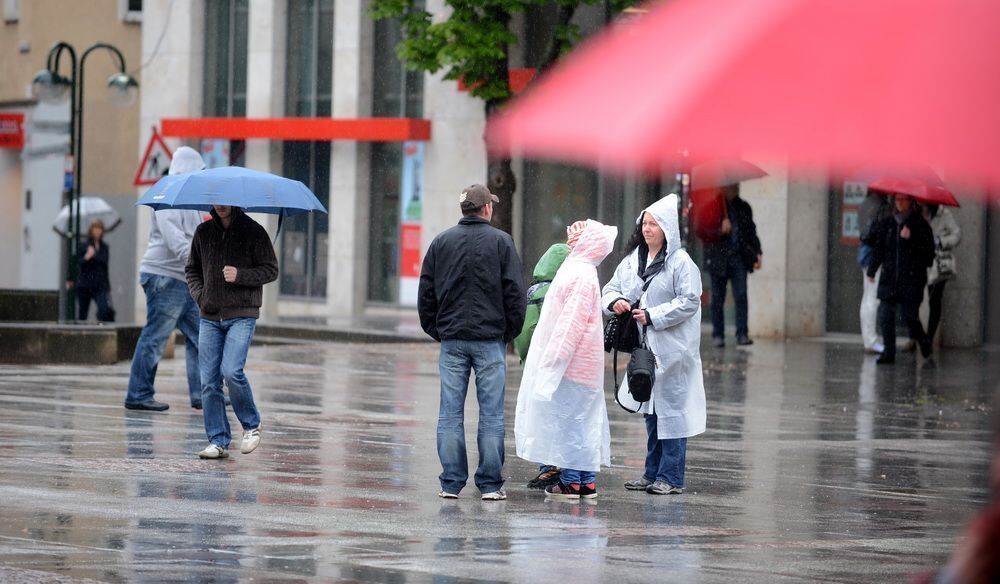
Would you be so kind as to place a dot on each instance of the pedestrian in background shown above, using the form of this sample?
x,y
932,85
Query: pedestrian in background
x,y
92,281
732,251
671,309
169,304
873,209
903,248
231,260
562,420
947,235
471,299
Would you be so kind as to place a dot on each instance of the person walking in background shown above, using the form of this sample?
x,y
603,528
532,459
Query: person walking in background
x,y
561,419
231,259
947,235
873,209
732,250
169,304
92,281
541,279
903,248
671,309
471,299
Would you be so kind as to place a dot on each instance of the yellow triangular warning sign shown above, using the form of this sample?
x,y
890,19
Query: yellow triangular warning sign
x,y
155,163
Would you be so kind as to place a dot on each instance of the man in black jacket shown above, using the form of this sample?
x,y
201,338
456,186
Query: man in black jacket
x,y
231,259
471,299
903,246
732,250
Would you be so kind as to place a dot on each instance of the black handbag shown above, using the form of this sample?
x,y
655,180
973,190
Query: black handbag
x,y
621,332
641,374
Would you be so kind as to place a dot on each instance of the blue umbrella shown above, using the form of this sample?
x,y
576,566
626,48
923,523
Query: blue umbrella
x,y
250,190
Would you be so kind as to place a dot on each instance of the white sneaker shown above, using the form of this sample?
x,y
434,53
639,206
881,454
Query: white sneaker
x,y
446,495
251,439
214,451
498,495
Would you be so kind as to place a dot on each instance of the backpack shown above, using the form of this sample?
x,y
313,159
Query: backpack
x,y
545,271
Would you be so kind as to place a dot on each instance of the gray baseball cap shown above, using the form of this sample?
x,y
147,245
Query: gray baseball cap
x,y
475,197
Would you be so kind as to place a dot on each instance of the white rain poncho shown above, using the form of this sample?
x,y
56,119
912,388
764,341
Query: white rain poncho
x,y
674,335
561,416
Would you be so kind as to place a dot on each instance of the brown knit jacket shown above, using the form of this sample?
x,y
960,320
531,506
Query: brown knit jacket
x,y
246,246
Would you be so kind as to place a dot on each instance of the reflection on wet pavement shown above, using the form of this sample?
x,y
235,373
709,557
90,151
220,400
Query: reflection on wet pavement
x,y
817,466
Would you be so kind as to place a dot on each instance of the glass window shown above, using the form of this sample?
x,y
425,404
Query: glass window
x,y
308,93
225,87
396,93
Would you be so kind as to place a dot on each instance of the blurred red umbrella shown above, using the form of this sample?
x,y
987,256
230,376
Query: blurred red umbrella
x,y
921,183
723,172
842,83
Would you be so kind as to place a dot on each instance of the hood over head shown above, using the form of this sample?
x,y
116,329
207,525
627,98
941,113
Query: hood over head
x,y
548,264
594,243
664,212
186,159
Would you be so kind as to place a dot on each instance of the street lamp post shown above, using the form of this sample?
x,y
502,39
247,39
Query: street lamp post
x,y
50,86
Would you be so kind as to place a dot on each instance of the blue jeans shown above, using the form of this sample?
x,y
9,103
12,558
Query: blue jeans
x,y
168,306
736,272
665,459
457,360
581,477
223,350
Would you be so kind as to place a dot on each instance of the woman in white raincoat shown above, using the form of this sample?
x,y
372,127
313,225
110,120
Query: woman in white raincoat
x,y
671,307
561,418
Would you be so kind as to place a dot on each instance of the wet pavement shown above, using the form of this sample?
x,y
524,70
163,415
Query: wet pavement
x,y
817,466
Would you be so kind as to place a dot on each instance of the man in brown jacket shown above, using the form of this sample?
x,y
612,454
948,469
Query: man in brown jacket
x,y
231,260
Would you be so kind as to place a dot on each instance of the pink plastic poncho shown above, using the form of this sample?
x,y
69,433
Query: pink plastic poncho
x,y
561,416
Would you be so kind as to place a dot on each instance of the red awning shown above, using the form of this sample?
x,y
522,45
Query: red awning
x,y
305,129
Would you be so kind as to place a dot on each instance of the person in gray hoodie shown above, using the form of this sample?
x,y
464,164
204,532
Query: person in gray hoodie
x,y
169,304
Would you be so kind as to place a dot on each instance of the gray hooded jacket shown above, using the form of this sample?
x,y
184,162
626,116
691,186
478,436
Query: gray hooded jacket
x,y
171,230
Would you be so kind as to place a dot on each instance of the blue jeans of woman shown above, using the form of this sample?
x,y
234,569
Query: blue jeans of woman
x,y
665,459
457,360
222,351
169,306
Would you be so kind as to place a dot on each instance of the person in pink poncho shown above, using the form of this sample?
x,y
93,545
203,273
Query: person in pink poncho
x,y
561,417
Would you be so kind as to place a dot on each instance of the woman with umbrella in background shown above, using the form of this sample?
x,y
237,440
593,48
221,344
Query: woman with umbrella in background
x,y
947,234
92,282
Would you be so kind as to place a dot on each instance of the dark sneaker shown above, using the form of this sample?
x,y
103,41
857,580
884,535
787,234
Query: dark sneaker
x,y
744,340
663,488
588,491
549,476
638,485
718,342
884,359
563,492
196,405
150,404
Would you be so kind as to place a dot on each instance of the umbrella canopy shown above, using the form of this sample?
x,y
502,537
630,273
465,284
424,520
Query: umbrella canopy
x,y
842,83
921,183
91,208
251,190
723,172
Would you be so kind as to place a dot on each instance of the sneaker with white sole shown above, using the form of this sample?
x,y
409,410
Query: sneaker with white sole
x,y
497,495
663,488
251,439
639,484
214,451
447,495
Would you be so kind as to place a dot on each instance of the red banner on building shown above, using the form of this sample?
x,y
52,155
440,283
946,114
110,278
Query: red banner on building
x,y
11,130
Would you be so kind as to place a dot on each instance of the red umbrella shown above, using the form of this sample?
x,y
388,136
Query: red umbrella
x,y
723,172
846,83
921,183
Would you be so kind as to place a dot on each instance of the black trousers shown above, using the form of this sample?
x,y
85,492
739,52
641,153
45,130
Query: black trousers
x,y
100,297
887,323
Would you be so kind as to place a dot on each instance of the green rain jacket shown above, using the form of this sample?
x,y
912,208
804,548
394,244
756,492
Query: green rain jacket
x,y
545,270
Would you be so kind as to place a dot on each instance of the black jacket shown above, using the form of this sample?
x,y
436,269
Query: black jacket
x,y
472,285
904,262
741,242
93,273
246,246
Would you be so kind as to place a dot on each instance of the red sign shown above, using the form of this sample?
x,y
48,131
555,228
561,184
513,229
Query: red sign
x,y
155,163
409,264
11,130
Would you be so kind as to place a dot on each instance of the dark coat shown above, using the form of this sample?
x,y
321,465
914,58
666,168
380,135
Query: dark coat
x,y
472,285
904,262
741,242
93,272
246,246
